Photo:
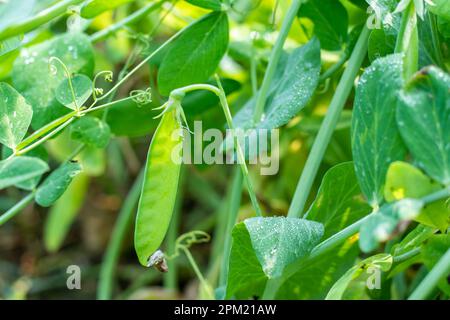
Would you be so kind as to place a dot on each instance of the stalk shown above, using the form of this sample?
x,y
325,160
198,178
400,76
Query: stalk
x,y
439,271
328,125
38,20
408,41
135,16
226,110
274,59
235,202
124,219
16,209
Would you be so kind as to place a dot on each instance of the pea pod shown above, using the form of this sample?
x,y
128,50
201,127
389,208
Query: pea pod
x,y
159,188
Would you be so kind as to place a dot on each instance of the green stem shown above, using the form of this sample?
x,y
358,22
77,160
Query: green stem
x,y
45,138
408,41
233,210
274,59
132,18
407,255
171,278
438,195
198,273
328,125
439,271
125,217
38,19
226,110
436,41
16,209
334,68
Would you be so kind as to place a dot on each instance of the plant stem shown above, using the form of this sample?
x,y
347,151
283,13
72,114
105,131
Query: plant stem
x,y
407,255
436,41
171,278
38,19
274,59
199,275
135,16
17,208
124,219
438,195
408,42
233,210
45,138
334,68
439,271
226,110
328,125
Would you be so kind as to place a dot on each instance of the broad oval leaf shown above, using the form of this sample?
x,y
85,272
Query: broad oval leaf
x,y
82,90
381,261
159,189
15,116
20,169
339,201
330,20
376,141
94,8
63,213
295,81
195,54
91,131
56,183
31,75
279,241
423,117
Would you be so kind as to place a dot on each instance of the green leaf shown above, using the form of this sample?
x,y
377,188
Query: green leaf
x,y
91,131
159,189
215,5
315,278
295,81
279,241
339,201
330,20
15,116
263,247
245,277
406,181
82,90
31,75
376,141
413,240
380,44
440,8
381,261
382,224
432,252
63,213
56,183
423,117
195,54
94,8
20,169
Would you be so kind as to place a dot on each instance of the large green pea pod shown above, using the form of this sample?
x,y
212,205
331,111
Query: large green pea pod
x,y
159,188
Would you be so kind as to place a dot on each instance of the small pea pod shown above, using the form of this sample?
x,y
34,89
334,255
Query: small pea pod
x,y
159,189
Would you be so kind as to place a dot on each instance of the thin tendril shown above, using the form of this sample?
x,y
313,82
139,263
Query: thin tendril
x,y
54,71
185,241
107,76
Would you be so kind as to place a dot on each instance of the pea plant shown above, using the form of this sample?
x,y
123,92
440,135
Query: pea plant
x,y
354,95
